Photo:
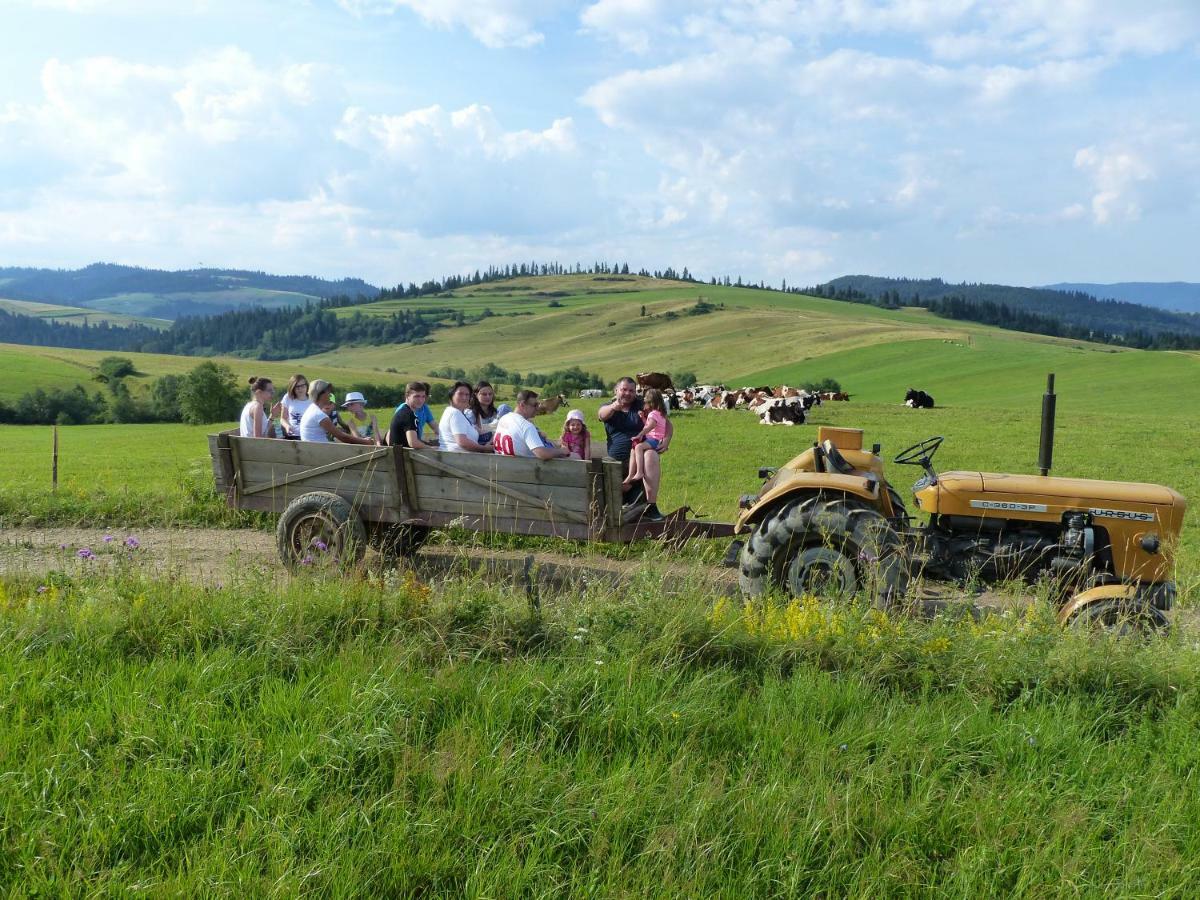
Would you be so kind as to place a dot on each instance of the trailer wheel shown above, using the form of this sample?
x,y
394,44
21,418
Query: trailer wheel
x,y
395,542
824,546
1119,617
316,520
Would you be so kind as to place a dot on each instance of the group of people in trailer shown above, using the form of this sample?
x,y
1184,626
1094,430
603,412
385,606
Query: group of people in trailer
x,y
637,428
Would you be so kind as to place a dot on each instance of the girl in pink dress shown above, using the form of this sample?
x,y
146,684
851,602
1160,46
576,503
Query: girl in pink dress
x,y
576,439
651,436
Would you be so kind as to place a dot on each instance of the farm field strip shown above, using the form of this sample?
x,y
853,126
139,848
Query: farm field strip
x,y
76,314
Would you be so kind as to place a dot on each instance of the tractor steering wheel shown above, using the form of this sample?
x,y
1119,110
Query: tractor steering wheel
x,y
919,454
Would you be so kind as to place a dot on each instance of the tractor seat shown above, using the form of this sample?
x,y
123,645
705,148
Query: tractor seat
x,y
835,463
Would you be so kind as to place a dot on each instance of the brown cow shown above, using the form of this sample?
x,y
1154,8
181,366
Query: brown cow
x,y
657,380
549,405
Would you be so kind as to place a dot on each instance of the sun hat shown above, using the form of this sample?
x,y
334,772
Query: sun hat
x,y
354,397
575,414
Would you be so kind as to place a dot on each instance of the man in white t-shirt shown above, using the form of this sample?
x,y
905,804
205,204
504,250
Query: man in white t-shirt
x,y
516,435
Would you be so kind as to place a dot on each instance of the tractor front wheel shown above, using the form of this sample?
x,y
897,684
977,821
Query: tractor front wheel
x,y
317,526
1119,617
824,546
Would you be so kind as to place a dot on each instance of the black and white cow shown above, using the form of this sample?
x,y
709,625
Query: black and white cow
x,y
915,399
782,411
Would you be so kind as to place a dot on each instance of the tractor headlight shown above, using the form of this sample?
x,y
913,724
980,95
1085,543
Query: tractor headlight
x,y
746,501
1150,542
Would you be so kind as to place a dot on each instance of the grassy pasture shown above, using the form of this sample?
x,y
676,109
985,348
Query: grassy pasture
x,y
367,737
606,334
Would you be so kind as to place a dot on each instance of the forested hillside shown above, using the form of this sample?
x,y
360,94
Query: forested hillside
x,y
1037,310
1181,296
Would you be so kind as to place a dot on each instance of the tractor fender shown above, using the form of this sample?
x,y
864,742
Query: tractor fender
x,y
1104,592
797,483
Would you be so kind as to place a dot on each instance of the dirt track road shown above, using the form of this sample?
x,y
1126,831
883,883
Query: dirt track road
x,y
212,556
206,555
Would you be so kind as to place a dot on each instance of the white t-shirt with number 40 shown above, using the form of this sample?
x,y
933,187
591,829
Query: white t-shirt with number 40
x,y
516,436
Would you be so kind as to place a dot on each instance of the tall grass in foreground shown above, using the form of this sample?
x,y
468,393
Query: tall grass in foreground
x,y
387,737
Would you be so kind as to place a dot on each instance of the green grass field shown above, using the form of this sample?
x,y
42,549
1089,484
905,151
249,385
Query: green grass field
x,y
366,737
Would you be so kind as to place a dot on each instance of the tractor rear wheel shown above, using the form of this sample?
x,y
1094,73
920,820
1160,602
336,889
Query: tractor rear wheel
x,y
824,546
320,525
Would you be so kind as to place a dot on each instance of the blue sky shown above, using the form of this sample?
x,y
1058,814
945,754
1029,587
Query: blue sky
x,y
1026,141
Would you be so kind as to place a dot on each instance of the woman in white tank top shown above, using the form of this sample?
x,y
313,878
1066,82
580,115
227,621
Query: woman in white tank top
x,y
255,421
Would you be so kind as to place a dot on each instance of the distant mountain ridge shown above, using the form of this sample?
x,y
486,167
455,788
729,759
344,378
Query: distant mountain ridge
x,y
1040,310
1181,296
163,294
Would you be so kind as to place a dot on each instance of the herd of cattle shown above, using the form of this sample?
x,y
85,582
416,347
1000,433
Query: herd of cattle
x,y
782,405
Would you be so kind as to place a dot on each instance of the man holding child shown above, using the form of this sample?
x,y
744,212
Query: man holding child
x,y
622,425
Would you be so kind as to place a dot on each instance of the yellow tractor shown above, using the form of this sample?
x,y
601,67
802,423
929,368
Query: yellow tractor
x,y
830,522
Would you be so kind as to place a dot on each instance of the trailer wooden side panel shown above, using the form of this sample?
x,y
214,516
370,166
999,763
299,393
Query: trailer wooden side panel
x,y
575,499
502,490
272,473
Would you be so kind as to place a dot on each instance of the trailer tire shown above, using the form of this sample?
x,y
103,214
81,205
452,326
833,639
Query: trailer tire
x,y
320,519
817,544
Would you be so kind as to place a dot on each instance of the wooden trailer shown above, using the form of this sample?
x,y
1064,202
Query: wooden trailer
x,y
344,496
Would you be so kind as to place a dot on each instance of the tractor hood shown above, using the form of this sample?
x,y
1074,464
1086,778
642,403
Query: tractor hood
x,y
1069,488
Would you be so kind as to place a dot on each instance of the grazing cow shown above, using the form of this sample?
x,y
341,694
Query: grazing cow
x,y
915,399
549,405
591,393
780,411
835,395
657,380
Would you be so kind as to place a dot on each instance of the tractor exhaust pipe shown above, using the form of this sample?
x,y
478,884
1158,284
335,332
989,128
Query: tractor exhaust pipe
x,y
1046,447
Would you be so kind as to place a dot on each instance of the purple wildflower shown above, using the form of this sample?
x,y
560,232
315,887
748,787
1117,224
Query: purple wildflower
x,y
85,553
132,543
108,539
41,589
307,561
62,546
320,544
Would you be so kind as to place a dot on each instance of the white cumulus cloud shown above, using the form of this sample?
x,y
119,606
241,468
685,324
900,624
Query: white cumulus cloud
x,y
494,23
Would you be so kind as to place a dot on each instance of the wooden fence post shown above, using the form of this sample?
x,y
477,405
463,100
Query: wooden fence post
x,y
54,463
